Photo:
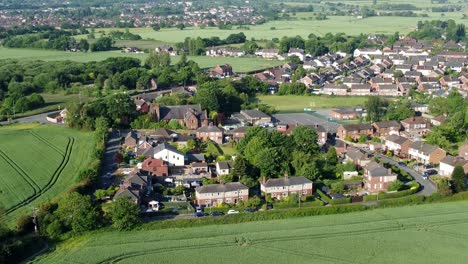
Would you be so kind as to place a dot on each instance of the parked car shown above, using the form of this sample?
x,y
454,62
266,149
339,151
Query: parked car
x,y
217,213
249,210
200,214
431,172
425,176
402,164
232,211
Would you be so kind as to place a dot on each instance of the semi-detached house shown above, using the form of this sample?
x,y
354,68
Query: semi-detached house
x,y
283,187
224,193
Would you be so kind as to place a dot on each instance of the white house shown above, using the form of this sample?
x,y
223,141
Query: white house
x,y
448,164
169,154
367,52
223,167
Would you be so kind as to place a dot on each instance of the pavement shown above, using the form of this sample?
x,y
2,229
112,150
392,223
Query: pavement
x,y
40,118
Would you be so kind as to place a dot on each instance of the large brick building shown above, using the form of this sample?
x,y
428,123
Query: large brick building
x,y
190,116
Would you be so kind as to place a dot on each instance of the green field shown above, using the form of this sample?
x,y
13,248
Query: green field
x,y
297,103
37,163
334,24
238,64
433,233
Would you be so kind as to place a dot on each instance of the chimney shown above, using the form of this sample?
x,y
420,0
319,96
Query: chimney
x,y
264,180
286,176
389,171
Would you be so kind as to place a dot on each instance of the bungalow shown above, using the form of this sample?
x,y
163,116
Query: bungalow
x,y
437,121
224,193
399,146
354,130
211,132
199,167
167,49
255,117
298,53
377,178
463,151
426,153
133,187
283,187
386,128
344,114
448,164
224,167
170,154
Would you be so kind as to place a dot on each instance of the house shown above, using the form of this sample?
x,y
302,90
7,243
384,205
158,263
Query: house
x,y
214,133
128,193
333,89
463,151
360,89
437,121
255,117
297,52
367,52
199,168
388,90
239,133
155,167
133,187
386,128
354,131
167,49
357,157
134,139
448,164
377,178
283,187
223,167
268,53
344,114
415,126
425,153
449,81
225,51
190,116
142,106
221,71
399,146
224,193
170,154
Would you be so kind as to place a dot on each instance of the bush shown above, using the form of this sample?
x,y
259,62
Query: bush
x,y
382,196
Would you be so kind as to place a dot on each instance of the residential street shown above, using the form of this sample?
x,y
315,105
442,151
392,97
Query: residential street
x,y
108,164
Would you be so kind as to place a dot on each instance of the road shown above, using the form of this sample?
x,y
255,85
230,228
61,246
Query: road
x,y
427,187
40,118
108,164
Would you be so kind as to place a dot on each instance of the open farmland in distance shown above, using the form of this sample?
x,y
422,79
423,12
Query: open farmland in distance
x,y
432,233
37,163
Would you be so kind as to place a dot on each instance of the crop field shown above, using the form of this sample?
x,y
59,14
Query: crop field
x,y
37,163
303,26
434,233
297,103
238,64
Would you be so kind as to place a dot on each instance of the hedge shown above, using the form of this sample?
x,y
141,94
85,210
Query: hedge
x,y
382,196
329,200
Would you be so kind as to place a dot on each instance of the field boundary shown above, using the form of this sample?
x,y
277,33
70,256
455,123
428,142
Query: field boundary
x,y
50,183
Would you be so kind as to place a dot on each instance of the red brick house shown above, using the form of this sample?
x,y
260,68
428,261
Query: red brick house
x,y
239,133
416,126
386,128
224,193
142,106
211,132
190,116
344,114
283,187
354,130
221,71
156,167
377,178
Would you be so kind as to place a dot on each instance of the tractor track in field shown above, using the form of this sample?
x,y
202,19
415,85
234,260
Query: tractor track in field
x,y
45,141
49,184
259,243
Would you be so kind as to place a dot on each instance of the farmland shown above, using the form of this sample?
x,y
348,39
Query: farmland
x,y
38,163
238,64
430,233
297,103
302,26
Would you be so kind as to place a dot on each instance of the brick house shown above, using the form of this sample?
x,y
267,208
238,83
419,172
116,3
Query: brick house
x,y
357,157
399,146
333,89
386,128
214,133
155,167
425,153
134,139
377,178
354,131
224,193
221,71
416,125
190,116
142,106
448,164
283,187
463,151
344,114
239,133
255,117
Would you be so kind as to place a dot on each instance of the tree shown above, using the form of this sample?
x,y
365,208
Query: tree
x,y
362,138
124,213
101,128
78,212
443,188
375,108
458,178
395,186
156,27
180,26
337,187
102,44
305,139
158,60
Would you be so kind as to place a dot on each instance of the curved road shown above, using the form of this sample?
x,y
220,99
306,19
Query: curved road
x,y
40,118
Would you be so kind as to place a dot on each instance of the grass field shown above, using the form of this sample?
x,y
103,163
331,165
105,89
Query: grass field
x,y
303,27
433,233
37,163
297,103
238,64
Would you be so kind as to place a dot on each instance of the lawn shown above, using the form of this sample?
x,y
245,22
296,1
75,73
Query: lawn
x,y
297,103
432,233
37,163
238,64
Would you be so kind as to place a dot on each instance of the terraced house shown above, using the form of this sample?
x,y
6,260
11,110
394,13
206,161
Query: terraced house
x,y
283,187
425,153
354,131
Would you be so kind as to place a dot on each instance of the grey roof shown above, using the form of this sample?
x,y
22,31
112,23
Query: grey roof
x,y
180,111
254,113
227,187
127,192
287,181
225,165
344,111
242,129
454,161
210,128
354,127
355,154
195,157
376,170
426,149
387,124
397,139
162,146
